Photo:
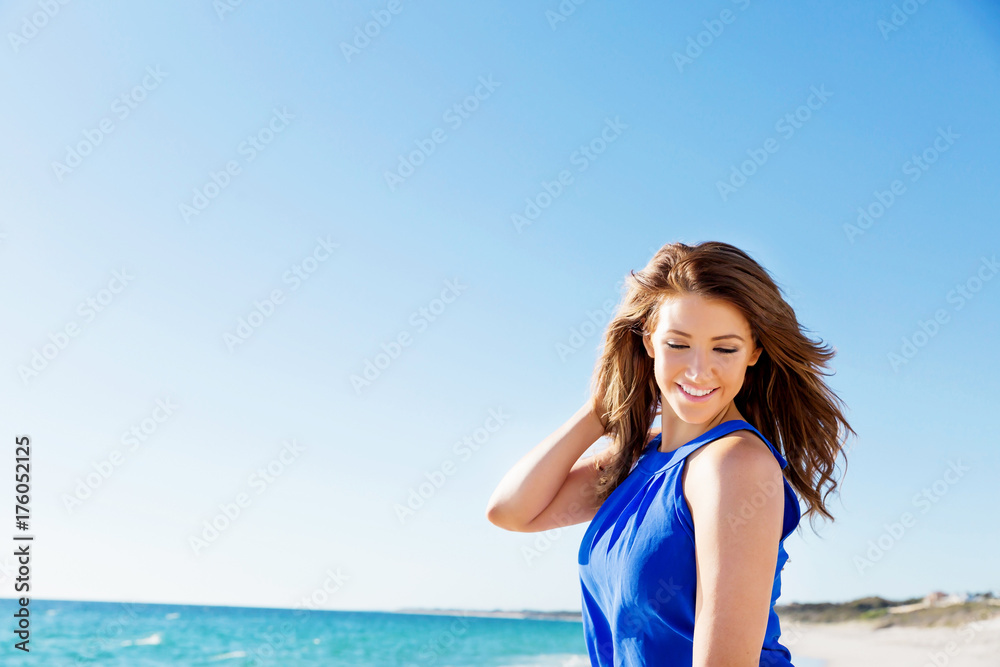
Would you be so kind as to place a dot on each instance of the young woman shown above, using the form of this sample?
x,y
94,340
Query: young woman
x,y
681,564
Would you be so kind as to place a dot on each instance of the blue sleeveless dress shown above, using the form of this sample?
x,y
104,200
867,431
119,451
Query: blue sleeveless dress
x,y
637,564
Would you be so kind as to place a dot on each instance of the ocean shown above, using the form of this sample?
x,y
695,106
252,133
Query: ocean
x,y
113,634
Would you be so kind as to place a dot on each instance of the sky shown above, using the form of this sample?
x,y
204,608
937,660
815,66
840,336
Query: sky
x,y
269,279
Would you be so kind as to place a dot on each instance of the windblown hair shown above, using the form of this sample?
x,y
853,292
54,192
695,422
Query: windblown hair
x,y
783,394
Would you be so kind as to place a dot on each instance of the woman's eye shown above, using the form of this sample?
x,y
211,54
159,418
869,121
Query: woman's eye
x,y
718,349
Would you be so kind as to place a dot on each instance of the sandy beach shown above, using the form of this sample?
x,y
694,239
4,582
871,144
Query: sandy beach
x,y
859,644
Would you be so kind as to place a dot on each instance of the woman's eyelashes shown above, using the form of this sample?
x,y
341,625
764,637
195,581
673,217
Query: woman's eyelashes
x,y
672,346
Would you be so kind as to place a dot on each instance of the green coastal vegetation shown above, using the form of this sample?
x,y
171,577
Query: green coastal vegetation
x,y
935,609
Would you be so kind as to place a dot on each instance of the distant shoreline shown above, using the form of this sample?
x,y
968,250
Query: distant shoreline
x,y
934,610
574,616
879,613
874,611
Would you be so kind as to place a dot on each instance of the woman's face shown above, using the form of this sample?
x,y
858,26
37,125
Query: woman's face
x,y
700,345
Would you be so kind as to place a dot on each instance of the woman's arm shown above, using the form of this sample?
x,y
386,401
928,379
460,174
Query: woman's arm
x,y
736,497
550,485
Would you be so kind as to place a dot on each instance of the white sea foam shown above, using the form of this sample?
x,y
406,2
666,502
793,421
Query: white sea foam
x,y
229,656
151,640
552,660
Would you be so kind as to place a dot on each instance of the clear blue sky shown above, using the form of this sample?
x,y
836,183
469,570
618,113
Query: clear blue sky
x,y
153,100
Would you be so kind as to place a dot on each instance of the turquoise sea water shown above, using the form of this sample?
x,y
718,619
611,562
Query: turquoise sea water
x,y
112,634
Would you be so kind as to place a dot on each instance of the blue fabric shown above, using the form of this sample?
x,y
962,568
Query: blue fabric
x,y
637,564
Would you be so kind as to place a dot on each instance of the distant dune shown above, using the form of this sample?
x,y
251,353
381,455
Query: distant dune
x,y
934,609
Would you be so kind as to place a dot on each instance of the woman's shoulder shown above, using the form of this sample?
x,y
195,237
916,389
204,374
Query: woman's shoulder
x,y
728,475
737,458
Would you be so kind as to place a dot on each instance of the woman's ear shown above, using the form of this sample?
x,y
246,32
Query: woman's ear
x,y
646,342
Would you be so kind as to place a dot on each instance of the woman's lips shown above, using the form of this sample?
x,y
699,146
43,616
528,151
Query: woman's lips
x,y
696,399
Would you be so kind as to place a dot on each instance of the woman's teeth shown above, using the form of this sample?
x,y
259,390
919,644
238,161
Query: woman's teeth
x,y
696,393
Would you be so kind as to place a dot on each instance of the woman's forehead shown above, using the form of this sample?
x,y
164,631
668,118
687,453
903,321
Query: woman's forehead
x,y
697,316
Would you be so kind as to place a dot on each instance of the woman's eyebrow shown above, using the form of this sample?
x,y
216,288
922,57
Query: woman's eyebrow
x,y
681,333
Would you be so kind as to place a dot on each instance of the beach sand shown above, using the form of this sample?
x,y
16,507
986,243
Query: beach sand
x,y
858,644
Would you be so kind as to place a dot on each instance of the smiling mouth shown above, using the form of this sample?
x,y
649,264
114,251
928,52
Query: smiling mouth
x,y
687,393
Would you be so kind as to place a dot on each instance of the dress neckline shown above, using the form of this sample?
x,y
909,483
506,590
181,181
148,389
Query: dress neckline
x,y
659,435
653,460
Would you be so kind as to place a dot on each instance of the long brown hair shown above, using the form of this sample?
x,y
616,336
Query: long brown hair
x,y
783,394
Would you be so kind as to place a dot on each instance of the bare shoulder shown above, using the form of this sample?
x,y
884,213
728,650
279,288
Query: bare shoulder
x,y
739,459
722,477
